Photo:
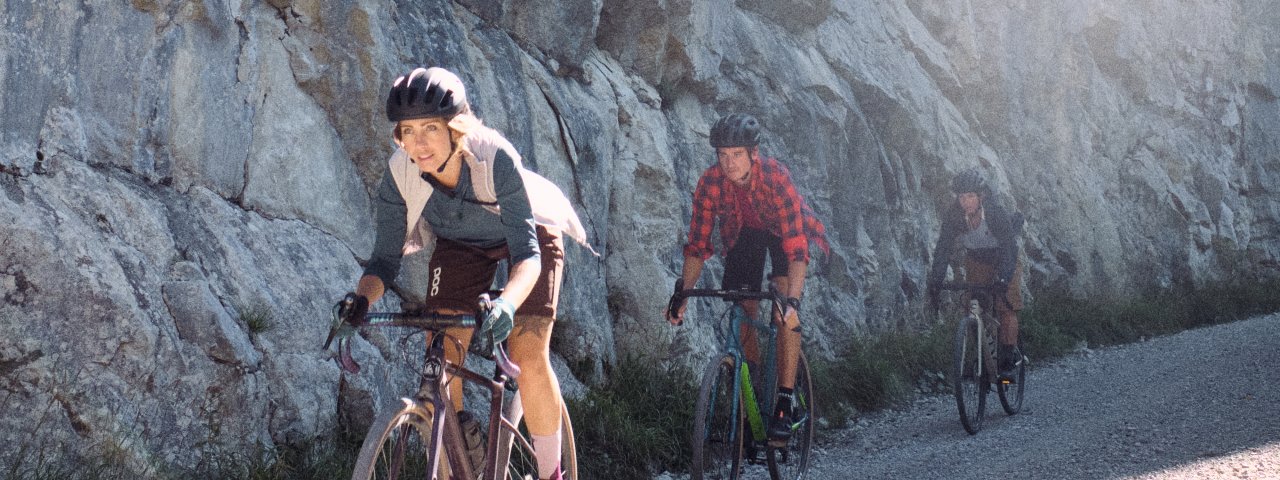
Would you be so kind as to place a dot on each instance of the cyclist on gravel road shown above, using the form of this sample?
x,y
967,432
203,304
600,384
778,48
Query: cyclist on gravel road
x,y
463,182
759,211
988,234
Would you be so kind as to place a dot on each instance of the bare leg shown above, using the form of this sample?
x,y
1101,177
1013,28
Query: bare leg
x,y
747,333
789,342
1008,327
454,356
539,388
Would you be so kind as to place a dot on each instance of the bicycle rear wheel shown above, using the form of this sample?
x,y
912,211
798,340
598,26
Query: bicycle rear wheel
x,y
792,461
1011,395
718,423
396,446
970,381
521,461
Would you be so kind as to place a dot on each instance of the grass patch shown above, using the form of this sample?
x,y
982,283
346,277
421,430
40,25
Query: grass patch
x,y
637,423
1056,324
257,319
881,371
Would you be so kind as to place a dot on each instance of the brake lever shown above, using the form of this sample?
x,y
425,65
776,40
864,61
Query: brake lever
x,y
504,362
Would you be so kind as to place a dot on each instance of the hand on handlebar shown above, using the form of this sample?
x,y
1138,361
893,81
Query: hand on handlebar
x,y
349,314
497,318
675,318
674,312
353,308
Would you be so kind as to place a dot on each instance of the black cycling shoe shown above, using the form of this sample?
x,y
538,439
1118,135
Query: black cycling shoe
x,y
780,428
1010,358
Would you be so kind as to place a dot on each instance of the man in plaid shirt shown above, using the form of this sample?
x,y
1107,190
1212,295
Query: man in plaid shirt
x,y
759,211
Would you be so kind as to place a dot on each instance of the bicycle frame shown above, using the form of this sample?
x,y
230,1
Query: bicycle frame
x,y
733,346
731,343
433,396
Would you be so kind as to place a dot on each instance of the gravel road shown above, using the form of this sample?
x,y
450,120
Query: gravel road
x,y
1203,403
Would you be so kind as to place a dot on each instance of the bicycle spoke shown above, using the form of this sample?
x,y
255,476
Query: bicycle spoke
x,y
792,461
718,424
395,447
970,382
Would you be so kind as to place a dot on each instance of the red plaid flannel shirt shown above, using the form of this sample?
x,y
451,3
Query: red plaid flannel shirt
x,y
782,209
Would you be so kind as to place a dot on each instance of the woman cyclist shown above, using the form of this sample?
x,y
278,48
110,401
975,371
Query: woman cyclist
x,y
456,179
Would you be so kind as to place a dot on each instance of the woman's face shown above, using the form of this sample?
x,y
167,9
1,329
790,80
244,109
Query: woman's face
x,y
428,141
970,202
736,163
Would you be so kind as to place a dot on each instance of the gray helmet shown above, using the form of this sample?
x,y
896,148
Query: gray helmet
x,y
969,181
426,93
736,130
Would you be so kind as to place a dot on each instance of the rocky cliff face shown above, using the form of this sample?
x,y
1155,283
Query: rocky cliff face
x,y
186,184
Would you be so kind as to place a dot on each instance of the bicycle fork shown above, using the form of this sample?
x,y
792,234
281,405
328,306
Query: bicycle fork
x,y
986,341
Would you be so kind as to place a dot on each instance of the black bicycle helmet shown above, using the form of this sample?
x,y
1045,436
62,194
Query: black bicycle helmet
x,y
969,181
426,93
736,130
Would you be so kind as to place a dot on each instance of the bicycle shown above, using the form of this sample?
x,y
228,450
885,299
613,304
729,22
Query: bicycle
x,y
728,407
974,361
422,437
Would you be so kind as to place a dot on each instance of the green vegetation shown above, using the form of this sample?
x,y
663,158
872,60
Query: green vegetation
x,y
637,423
1055,324
257,319
879,372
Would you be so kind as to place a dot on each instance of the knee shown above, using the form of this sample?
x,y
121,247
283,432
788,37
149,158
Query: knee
x,y
791,323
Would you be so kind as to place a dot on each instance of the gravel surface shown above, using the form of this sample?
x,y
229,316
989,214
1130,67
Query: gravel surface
x,y
1203,403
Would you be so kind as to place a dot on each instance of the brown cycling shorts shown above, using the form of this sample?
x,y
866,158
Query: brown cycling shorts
x,y
458,273
982,273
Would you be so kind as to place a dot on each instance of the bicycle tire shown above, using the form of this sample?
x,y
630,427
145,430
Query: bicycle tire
x,y
521,462
792,461
395,446
718,423
969,376
1011,395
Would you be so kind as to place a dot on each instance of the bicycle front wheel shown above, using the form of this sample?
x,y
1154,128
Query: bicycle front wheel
x,y
521,462
718,423
791,462
1011,395
970,381
396,446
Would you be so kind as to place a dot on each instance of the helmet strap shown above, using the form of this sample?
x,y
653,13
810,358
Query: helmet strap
x,y
453,147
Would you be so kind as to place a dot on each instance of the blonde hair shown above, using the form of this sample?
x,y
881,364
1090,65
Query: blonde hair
x,y
460,125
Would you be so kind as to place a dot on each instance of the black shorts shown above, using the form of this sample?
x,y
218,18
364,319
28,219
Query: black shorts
x,y
459,273
744,264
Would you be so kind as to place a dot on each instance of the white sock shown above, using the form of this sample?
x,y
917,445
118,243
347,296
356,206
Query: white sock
x,y
547,463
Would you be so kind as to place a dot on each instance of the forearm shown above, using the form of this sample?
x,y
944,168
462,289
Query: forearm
x,y
524,274
796,272
692,270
